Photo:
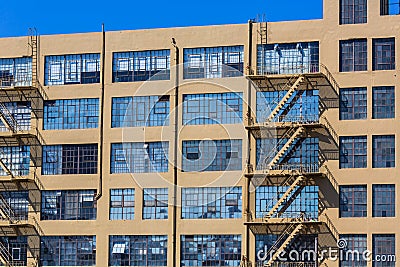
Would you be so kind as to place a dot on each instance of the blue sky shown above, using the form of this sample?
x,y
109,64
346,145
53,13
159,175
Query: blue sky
x,y
72,16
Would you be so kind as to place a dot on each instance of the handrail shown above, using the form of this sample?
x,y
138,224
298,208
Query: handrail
x,y
324,70
330,129
331,178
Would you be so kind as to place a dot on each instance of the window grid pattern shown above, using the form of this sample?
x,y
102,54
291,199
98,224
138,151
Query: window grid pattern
x,y
384,57
72,69
353,55
138,250
353,104
390,7
303,201
68,251
211,155
213,62
140,111
17,160
302,106
20,116
212,203
383,106
383,151
225,108
17,249
353,152
139,157
141,66
70,159
288,58
69,205
16,71
122,204
155,203
354,243
384,200
353,11
384,245
19,203
353,201
71,114
211,250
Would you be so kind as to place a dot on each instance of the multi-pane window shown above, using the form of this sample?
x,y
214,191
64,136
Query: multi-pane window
x,y
353,254
122,204
69,205
383,54
353,201
211,155
288,58
68,251
353,103
213,62
17,116
155,203
15,71
71,114
16,159
384,249
353,11
18,201
353,55
212,203
223,108
353,152
70,159
138,250
390,7
383,200
15,249
302,106
72,69
383,102
303,201
383,151
211,250
139,157
141,66
140,111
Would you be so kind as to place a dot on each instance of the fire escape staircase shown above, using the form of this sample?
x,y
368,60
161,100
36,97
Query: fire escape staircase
x,y
5,256
6,211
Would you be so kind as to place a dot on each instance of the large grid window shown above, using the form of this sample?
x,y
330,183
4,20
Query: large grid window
x,y
70,159
139,157
138,250
213,62
211,250
69,205
16,159
390,7
288,58
212,203
302,106
122,204
18,201
140,111
155,203
303,201
384,245
383,54
383,102
383,200
68,251
353,11
211,155
353,152
16,249
383,151
15,71
72,69
225,108
18,116
141,66
354,243
71,114
353,55
353,201
353,104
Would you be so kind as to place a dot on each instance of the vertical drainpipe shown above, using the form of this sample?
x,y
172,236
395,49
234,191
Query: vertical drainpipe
x,y
101,125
